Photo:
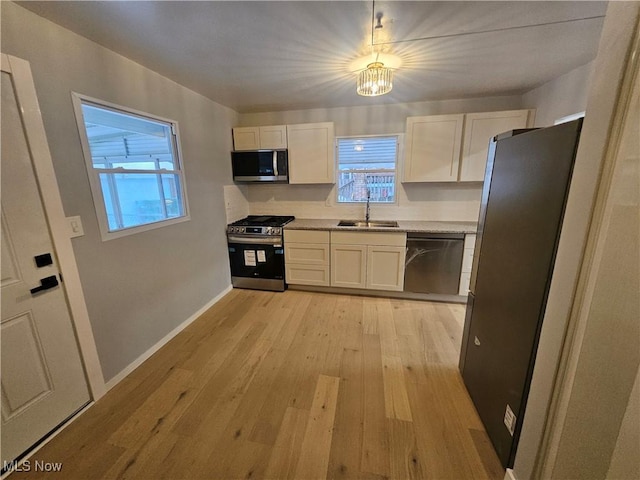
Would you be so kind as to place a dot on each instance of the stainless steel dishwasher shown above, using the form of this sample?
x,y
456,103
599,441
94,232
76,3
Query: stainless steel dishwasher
x,y
433,263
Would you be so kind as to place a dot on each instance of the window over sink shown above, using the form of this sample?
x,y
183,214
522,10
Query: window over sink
x,y
134,166
367,166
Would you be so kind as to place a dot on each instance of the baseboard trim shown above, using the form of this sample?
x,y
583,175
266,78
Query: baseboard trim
x,y
509,475
428,297
41,443
145,356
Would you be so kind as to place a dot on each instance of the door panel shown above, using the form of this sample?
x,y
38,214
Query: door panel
x,y
43,380
25,381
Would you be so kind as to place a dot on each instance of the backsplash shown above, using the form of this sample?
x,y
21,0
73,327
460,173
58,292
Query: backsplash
x,y
235,202
433,202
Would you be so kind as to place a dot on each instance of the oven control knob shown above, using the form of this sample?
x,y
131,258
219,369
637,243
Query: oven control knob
x,y
241,229
269,230
276,231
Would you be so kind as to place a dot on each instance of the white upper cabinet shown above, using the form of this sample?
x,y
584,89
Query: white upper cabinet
x,y
433,148
246,138
437,151
255,138
479,129
311,153
273,137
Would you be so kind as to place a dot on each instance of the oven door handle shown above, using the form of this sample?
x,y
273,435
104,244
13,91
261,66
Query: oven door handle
x,y
255,240
275,163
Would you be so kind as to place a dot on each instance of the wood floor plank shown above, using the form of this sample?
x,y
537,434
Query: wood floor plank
x,y
233,372
316,444
346,444
405,459
286,450
370,318
311,350
375,438
486,453
386,327
166,402
239,394
396,399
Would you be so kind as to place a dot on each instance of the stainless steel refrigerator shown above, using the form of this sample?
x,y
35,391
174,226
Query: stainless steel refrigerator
x,y
523,201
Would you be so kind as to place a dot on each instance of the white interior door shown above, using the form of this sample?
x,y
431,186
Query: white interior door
x,y
43,381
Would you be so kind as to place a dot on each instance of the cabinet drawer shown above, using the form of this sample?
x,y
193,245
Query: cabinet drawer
x,y
307,253
307,274
306,236
397,239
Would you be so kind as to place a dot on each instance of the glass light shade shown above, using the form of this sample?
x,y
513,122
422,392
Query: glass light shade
x,y
375,80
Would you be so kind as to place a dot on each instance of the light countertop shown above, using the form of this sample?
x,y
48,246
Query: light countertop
x,y
403,226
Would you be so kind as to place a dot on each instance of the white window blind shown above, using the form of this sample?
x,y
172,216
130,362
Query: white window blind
x,y
367,165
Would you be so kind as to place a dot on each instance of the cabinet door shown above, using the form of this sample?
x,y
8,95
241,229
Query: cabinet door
x,y
385,267
246,138
348,266
433,148
273,137
479,128
311,153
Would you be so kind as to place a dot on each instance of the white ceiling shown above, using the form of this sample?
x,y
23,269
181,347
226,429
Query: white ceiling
x,y
268,56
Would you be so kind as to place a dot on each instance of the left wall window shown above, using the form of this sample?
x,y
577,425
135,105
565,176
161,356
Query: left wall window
x,y
134,166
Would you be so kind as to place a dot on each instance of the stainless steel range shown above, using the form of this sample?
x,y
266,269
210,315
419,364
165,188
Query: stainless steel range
x,y
256,252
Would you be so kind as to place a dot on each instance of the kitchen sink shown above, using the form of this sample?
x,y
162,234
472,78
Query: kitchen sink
x,y
370,224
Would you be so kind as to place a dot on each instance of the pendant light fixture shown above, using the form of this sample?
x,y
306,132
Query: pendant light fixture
x,y
376,79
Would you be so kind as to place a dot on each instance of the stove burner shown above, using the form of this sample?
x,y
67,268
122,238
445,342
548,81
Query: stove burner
x,y
264,220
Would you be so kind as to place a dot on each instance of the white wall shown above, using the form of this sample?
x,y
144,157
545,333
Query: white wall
x,y
562,96
459,202
140,287
577,439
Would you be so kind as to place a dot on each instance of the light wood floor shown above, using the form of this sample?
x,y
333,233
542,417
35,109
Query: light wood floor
x,y
289,385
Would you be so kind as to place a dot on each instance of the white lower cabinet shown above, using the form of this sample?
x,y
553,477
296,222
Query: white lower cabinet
x,y
467,263
349,264
306,256
385,267
370,260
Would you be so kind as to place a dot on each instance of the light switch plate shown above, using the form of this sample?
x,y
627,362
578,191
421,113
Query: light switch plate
x,y
75,227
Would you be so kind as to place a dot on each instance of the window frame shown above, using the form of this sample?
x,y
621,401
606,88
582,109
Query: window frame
x,y
93,174
399,151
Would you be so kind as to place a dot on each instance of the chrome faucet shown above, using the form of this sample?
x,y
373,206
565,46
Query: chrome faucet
x,y
366,215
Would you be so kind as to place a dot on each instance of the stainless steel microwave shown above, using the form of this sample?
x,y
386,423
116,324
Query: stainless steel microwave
x,y
260,166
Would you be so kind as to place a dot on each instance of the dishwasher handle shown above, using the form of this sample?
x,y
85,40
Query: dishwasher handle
x,y
434,236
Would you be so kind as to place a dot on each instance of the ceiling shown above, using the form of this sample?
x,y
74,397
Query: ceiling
x,y
270,56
